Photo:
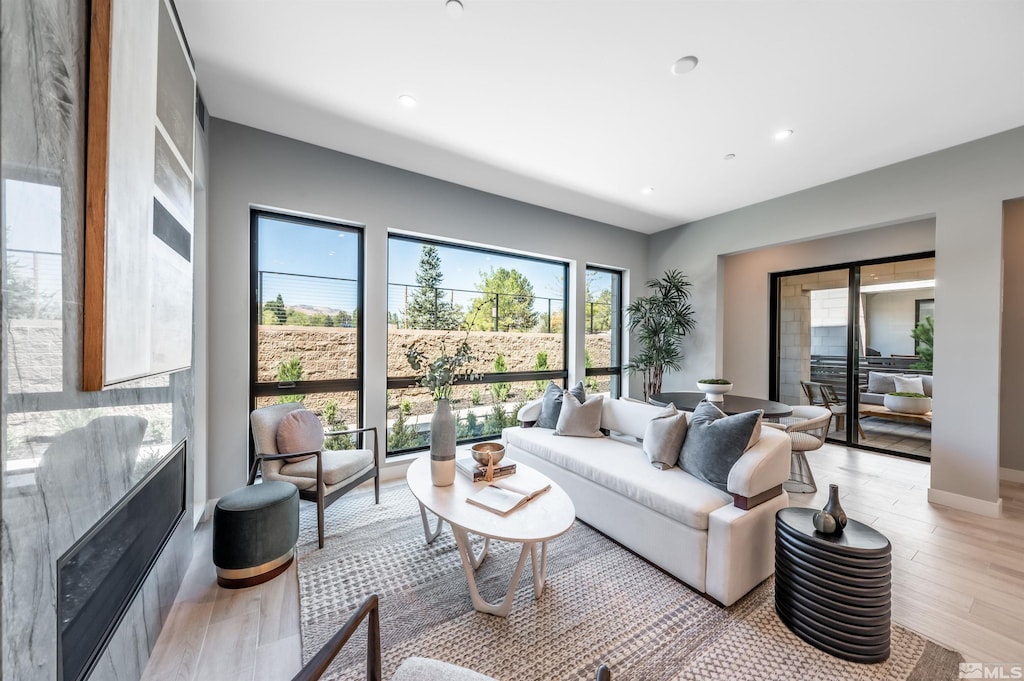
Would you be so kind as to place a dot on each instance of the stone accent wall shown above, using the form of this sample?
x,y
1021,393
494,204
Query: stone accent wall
x,y
330,352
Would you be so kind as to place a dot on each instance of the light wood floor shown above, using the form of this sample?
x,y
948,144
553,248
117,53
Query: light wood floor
x,y
958,579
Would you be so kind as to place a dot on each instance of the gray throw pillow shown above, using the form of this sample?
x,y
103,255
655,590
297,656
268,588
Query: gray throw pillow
x,y
881,382
552,404
580,420
664,436
714,442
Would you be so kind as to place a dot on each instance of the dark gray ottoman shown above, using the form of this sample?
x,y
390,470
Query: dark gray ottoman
x,y
254,533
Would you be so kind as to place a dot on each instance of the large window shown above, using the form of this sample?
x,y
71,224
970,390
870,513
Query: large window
x,y
510,308
307,318
603,321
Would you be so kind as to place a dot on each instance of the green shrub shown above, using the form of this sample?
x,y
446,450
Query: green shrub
x,y
715,381
500,391
906,394
404,435
406,406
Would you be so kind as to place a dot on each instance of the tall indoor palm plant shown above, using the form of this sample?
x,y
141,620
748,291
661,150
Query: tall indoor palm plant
x,y
660,321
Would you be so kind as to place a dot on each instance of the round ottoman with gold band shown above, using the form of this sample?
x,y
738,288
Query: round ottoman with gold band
x,y
254,533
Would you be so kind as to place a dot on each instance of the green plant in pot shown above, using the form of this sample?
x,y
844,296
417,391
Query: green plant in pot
x,y
660,321
907,403
439,376
714,388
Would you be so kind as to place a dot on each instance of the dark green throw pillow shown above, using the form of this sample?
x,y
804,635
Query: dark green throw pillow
x,y
551,407
714,442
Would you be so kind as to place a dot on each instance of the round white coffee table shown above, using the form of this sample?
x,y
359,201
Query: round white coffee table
x,y
542,519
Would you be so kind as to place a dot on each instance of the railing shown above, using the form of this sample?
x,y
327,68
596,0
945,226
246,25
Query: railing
x,y
831,369
507,311
330,301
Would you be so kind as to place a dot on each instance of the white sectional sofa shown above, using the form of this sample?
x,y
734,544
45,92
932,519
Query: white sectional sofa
x,y
721,544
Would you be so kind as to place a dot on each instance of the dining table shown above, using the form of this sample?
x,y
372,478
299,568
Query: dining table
x,y
730,404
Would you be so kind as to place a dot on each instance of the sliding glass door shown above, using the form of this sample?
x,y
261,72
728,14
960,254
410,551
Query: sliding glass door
x,y
846,337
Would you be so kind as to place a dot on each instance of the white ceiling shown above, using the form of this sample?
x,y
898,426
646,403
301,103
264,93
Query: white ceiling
x,y
572,105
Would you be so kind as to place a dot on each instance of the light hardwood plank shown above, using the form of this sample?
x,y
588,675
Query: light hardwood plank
x,y
958,579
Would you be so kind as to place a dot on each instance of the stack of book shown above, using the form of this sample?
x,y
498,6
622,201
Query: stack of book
x,y
468,466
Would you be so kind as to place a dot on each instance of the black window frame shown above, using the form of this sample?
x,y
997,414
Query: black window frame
x,y
614,369
556,375
259,389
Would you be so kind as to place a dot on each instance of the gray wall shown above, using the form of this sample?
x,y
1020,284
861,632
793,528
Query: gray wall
x,y
890,319
963,188
54,489
251,167
1011,394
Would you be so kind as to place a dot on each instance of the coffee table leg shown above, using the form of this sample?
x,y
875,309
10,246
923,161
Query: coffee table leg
x,y
430,536
466,554
540,572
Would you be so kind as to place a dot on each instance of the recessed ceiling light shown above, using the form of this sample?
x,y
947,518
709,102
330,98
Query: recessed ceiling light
x,y
684,65
647,191
783,134
408,101
454,8
729,157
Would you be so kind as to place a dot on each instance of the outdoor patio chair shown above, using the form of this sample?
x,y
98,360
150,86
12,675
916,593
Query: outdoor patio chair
x,y
837,406
322,475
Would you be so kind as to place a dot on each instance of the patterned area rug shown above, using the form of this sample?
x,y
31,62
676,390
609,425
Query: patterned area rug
x,y
602,604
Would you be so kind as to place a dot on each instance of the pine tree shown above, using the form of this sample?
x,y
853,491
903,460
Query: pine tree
x,y
276,308
427,307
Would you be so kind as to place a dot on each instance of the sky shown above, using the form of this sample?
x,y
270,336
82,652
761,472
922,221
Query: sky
x,y
289,248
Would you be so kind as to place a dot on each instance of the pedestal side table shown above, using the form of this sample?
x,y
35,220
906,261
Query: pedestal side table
x,y
834,591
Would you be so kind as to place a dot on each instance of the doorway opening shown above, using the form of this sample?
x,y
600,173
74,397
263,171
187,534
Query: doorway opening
x,y
857,338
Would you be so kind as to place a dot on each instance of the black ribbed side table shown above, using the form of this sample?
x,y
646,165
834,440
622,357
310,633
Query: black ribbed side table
x,y
834,591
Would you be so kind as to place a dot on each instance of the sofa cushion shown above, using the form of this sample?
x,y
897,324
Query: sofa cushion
x,y
580,420
628,417
623,467
881,382
908,384
714,442
551,406
664,438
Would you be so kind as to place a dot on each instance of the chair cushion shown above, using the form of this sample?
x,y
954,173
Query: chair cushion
x,y
338,466
804,442
580,420
714,442
300,431
908,384
422,669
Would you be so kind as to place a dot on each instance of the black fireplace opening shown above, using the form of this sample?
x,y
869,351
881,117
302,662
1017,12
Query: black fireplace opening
x,y
99,577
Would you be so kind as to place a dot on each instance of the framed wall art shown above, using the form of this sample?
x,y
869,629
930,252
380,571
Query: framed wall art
x,y
139,194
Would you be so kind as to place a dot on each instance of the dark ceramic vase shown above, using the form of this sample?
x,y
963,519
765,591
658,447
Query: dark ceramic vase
x,y
832,518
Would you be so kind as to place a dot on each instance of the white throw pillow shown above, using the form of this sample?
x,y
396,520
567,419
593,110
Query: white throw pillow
x,y
908,384
580,420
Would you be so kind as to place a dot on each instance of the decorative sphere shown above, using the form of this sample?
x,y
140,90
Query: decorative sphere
x,y
825,522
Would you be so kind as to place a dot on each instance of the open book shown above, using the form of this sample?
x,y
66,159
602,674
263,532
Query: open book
x,y
507,494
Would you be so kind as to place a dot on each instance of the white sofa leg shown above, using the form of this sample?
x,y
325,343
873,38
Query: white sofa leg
x,y
741,549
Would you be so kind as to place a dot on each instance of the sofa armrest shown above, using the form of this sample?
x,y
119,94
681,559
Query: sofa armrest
x,y
763,467
530,412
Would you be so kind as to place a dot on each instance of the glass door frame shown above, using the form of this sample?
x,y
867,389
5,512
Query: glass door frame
x,y
853,349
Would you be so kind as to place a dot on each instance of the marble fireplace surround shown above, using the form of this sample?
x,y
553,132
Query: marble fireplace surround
x,y
99,577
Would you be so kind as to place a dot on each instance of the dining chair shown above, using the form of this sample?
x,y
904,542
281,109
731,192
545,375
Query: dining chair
x,y
807,427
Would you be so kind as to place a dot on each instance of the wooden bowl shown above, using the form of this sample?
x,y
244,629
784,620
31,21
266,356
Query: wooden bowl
x,y
484,450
